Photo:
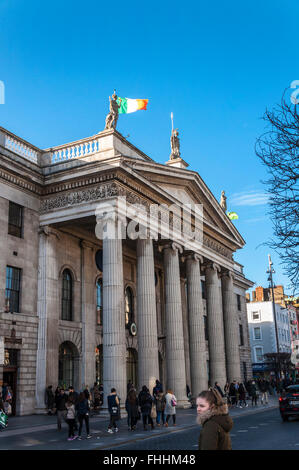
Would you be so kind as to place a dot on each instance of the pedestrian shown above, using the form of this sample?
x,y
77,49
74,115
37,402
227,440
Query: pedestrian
x,y
70,418
74,397
145,401
160,403
233,393
157,388
132,409
253,393
170,406
264,388
60,407
226,393
83,409
87,392
114,410
215,421
96,397
129,386
3,415
218,388
49,399
242,395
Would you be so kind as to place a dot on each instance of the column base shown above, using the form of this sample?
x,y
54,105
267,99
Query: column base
x,y
41,411
183,404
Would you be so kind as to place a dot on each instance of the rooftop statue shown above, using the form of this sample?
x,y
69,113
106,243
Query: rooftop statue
x,y
175,145
112,117
223,201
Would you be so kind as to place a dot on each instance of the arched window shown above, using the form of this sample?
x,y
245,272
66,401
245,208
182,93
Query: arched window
x,y
67,296
99,302
129,306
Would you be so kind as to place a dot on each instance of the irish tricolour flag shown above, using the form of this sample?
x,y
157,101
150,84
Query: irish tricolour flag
x,y
128,105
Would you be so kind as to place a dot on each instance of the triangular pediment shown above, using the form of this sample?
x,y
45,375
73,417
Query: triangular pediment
x,y
186,187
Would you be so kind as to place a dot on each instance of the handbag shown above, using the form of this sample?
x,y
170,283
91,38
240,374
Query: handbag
x,y
173,402
3,419
153,412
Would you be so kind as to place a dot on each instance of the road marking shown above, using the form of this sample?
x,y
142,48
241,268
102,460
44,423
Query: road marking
x,y
253,427
263,424
243,430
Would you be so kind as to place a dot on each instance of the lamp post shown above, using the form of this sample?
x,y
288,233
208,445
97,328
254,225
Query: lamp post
x,y
271,271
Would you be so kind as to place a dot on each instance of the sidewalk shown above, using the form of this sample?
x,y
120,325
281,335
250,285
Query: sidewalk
x,y
40,431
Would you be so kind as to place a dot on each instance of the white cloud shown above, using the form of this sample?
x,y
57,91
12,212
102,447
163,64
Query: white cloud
x,y
249,198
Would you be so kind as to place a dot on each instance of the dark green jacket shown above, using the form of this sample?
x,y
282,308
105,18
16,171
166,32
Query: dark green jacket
x,y
214,434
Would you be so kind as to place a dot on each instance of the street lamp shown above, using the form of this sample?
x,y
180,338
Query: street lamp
x,y
271,271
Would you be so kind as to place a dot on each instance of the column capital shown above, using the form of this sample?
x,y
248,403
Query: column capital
x,y
173,246
227,274
212,265
47,230
193,256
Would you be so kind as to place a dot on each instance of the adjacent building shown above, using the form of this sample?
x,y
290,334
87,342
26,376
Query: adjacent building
x,y
76,308
262,333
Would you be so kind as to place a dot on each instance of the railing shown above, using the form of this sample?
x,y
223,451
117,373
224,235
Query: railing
x,y
76,150
19,146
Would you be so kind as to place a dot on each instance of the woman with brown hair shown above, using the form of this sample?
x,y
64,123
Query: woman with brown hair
x,y
216,423
132,409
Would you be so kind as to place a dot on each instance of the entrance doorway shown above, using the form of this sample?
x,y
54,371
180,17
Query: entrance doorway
x,y
68,370
10,374
132,374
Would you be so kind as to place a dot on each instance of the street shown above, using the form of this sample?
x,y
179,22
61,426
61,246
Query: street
x,y
254,428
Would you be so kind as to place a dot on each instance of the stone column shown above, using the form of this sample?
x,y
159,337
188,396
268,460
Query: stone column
x,y
88,314
175,360
148,361
215,326
48,313
231,328
114,339
197,343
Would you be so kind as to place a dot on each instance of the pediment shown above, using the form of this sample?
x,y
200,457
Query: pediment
x,y
186,187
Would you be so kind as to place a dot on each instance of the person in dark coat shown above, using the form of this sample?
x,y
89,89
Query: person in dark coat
x,y
114,410
242,395
60,401
132,409
215,421
82,408
50,399
157,388
145,402
253,393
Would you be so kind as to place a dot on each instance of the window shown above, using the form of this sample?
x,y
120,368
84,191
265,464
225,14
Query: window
x,y
259,354
203,289
257,333
241,335
206,327
239,302
15,220
129,310
99,302
255,316
67,296
13,284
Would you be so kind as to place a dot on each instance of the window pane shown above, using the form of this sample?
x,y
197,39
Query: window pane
x,y
12,292
15,219
67,291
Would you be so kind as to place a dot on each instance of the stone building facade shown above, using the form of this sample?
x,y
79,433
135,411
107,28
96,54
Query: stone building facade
x,y
76,308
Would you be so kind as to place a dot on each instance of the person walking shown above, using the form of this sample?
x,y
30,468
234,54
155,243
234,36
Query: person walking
x,y
233,393
132,409
160,403
74,397
157,388
264,388
216,423
242,395
83,409
253,393
60,407
170,406
226,393
70,418
49,399
114,410
96,397
145,402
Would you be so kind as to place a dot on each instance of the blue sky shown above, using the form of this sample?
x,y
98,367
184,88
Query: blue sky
x,y
215,65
